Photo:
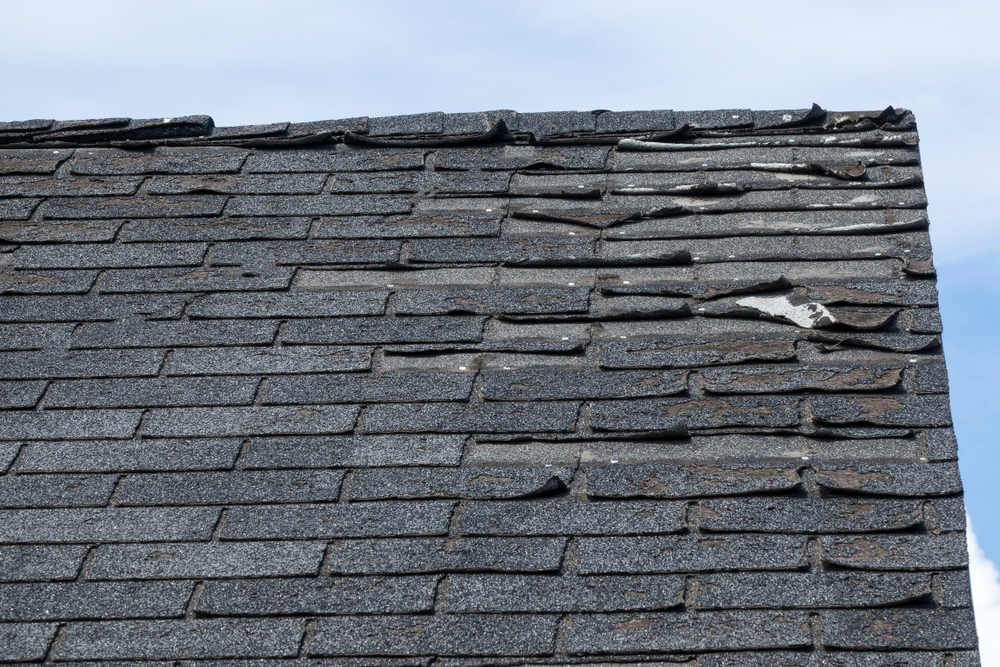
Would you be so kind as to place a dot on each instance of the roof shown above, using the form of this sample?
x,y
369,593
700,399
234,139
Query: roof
x,y
487,388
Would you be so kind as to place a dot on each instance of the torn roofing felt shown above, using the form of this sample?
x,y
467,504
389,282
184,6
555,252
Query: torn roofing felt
x,y
486,388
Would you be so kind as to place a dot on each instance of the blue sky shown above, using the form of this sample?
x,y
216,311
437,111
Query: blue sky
x,y
255,62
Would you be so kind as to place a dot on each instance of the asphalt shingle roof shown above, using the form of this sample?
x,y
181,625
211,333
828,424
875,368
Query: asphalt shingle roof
x,y
488,388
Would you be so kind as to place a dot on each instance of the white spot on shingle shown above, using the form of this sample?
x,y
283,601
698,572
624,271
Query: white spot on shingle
x,y
805,315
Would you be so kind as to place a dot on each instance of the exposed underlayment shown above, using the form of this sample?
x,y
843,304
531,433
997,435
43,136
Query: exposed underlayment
x,y
643,387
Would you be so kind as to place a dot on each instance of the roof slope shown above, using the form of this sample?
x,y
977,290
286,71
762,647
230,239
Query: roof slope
x,y
486,388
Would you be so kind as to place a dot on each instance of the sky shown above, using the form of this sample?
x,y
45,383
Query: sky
x,y
258,62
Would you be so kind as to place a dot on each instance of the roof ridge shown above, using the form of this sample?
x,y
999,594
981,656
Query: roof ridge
x,y
436,129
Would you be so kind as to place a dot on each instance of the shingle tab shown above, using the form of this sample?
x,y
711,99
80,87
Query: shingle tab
x,y
340,520
94,600
833,515
807,590
205,561
899,628
148,392
209,638
327,595
229,488
106,524
624,633
129,455
443,635
26,641
570,517
664,554
353,388
491,417
429,555
183,422
472,593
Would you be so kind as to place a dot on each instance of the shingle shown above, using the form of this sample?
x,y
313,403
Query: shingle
x,y
479,418
323,160
371,450
795,515
93,600
112,524
72,425
372,388
148,454
485,300
684,553
213,229
899,628
295,304
242,184
374,330
168,206
891,479
570,517
678,351
923,320
47,282
43,186
317,205
955,589
635,121
625,633
205,561
26,641
521,157
763,380
789,590
241,253
33,125
440,635
60,231
487,483
663,480
32,160
328,278
148,392
28,491
427,555
418,123
421,224
20,394
544,123
379,519
88,308
321,596
255,360
106,162
559,383
108,256
250,421
175,333
518,593
209,638
669,413
37,562
499,250
195,279
930,378
17,209
882,410
896,552
34,336
229,488
715,118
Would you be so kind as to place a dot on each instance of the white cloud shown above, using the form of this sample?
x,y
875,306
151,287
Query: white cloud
x,y
985,599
